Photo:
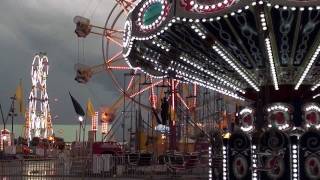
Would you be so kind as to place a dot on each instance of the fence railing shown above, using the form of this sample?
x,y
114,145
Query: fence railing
x,y
135,166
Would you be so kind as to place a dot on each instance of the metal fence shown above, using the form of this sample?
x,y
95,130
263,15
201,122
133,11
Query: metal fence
x,y
101,166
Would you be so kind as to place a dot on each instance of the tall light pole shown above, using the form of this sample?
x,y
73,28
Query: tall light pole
x,y
80,118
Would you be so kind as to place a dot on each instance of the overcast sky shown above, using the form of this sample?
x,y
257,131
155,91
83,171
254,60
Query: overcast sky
x,y
31,26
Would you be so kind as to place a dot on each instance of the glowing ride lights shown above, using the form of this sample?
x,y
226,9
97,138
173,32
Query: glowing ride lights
x,y
246,112
104,127
127,39
272,64
282,109
5,138
39,118
263,21
161,44
295,161
305,72
211,86
210,163
315,96
224,162
312,108
152,14
254,162
278,107
209,8
199,30
193,63
196,21
94,121
232,63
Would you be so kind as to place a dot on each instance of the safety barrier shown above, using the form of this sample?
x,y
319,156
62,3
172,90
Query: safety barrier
x,y
106,165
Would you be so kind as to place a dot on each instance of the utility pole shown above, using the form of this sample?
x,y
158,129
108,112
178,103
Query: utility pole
x,y
3,121
12,111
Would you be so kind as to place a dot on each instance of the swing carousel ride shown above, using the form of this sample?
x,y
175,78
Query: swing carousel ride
x,y
244,74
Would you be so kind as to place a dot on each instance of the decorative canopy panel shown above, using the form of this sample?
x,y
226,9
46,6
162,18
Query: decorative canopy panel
x,y
229,46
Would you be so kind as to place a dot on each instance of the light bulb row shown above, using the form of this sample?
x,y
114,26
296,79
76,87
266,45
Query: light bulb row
x,y
143,71
295,160
201,82
153,76
160,69
305,72
295,8
314,87
210,86
278,107
313,107
316,126
199,30
224,163
283,127
150,59
232,63
210,163
245,110
263,21
209,8
254,162
199,7
165,28
127,39
220,79
161,44
272,64
247,129
218,68
315,96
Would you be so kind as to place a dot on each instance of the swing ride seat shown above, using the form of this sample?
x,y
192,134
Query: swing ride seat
x,y
83,27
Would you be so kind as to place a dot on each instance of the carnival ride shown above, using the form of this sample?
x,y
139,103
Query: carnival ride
x,y
260,52
165,100
38,118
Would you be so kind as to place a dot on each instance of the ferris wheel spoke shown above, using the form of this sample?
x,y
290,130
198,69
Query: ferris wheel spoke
x,y
182,100
114,40
132,79
113,32
119,67
145,88
115,58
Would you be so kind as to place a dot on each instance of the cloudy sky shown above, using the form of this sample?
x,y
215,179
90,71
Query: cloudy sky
x,y
31,26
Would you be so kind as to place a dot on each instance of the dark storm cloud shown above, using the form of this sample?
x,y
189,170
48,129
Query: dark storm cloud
x,y
31,26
